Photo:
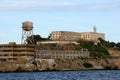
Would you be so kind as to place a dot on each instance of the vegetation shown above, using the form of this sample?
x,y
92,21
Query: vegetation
x,y
87,65
118,45
97,50
35,38
108,44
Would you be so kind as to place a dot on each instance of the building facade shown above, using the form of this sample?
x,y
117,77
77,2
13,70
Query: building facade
x,y
59,54
16,52
74,36
65,35
23,53
92,36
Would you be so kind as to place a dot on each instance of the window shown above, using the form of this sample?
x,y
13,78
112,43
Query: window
x,y
15,54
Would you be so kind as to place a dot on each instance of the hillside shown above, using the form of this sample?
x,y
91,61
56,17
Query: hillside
x,y
99,49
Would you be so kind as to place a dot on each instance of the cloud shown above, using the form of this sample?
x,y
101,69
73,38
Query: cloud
x,y
58,6
31,4
100,7
60,18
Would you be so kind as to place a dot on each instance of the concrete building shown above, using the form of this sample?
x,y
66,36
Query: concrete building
x,y
74,36
65,36
59,54
16,52
22,53
92,36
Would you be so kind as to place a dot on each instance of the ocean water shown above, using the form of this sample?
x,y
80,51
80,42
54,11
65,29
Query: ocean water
x,y
63,75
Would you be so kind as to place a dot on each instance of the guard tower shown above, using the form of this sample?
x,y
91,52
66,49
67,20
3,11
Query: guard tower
x,y
27,31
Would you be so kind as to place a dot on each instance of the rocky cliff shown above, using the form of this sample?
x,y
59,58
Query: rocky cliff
x,y
61,64
64,64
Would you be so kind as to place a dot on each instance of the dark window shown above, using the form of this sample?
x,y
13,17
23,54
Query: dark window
x,y
15,54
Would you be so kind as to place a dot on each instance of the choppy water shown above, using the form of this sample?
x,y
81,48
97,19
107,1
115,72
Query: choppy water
x,y
63,75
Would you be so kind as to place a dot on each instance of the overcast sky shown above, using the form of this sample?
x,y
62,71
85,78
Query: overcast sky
x,y
59,15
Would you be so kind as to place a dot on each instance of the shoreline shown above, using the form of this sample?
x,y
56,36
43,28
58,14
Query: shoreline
x,y
64,71
49,65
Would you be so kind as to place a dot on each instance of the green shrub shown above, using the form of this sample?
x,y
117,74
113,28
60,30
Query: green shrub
x,y
87,65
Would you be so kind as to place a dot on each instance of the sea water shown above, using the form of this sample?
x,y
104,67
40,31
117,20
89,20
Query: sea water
x,y
63,75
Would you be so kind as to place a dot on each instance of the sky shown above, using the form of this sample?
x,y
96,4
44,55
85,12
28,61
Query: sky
x,y
59,15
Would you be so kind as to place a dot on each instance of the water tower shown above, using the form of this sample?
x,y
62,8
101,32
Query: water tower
x,y
27,31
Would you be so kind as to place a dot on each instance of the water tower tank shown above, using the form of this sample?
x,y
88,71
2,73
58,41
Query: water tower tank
x,y
27,26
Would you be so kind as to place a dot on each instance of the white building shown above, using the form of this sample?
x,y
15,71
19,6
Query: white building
x,y
74,36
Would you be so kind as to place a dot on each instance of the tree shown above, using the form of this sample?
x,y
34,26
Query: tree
x,y
96,51
101,41
34,39
112,44
87,65
105,44
118,45
49,37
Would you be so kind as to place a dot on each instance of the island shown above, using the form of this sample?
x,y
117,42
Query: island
x,y
62,50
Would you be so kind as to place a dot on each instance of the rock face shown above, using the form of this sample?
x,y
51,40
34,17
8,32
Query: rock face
x,y
61,64
8,67
64,64
26,67
114,52
67,64
115,62
42,64
118,64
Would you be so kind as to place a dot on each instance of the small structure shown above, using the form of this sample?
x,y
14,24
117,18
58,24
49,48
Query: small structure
x,y
27,31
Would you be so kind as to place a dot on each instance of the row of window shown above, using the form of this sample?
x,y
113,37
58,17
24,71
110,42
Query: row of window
x,y
68,37
53,34
61,57
16,50
62,52
7,59
16,54
16,46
